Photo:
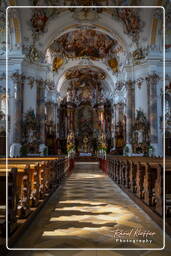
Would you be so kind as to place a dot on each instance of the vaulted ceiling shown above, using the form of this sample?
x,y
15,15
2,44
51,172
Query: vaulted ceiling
x,y
99,37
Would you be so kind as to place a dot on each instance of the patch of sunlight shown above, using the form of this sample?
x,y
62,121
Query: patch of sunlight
x,y
94,209
88,176
72,231
81,202
85,218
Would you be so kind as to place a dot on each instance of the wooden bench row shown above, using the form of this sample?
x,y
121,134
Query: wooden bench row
x,y
30,181
143,176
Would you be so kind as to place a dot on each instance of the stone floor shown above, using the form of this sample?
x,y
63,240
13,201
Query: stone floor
x,y
87,212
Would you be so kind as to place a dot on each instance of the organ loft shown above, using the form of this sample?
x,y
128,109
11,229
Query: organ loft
x,y
85,127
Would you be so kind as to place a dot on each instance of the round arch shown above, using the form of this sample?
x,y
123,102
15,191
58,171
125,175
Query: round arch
x,y
58,26
60,79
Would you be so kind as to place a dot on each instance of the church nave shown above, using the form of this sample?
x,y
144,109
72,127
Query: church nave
x,y
86,211
85,125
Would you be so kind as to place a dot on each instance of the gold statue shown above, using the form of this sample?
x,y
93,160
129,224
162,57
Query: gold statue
x,y
70,141
57,63
113,64
85,142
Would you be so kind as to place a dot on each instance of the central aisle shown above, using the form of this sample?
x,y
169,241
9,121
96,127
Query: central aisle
x,y
85,212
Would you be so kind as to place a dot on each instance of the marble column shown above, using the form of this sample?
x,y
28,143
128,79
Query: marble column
x,y
17,112
113,125
152,81
18,81
130,110
101,118
41,108
56,120
70,117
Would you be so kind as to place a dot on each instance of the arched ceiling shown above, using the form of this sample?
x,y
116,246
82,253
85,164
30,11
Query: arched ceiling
x,y
104,36
93,44
84,42
59,26
83,75
84,84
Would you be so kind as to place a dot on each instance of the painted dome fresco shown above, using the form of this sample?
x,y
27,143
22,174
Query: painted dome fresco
x,y
84,42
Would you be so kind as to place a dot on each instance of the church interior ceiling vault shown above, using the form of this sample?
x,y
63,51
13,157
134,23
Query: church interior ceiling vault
x,y
84,43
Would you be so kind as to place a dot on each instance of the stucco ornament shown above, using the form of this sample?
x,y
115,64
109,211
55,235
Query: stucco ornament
x,y
33,55
39,20
131,20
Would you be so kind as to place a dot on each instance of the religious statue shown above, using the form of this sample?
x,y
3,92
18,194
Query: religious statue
x,y
102,142
57,63
140,138
31,131
85,144
86,94
113,64
69,95
119,135
70,141
31,136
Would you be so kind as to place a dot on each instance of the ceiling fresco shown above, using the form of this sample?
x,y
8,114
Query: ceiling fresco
x,y
85,74
132,22
85,2
85,84
84,43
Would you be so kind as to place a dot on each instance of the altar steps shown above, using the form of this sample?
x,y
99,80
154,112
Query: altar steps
x,y
86,159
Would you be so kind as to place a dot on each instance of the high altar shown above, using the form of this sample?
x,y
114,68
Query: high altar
x,y
87,111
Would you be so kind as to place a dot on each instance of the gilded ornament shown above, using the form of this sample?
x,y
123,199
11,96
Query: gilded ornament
x,y
113,64
57,63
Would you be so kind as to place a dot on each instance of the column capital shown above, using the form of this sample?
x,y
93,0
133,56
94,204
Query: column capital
x,y
130,84
18,78
139,82
152,78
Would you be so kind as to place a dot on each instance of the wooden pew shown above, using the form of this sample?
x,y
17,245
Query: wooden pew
x,y
168,190
143,176
12,200
34,180
24,178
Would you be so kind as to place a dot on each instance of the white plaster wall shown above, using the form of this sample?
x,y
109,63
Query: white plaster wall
x,y
141,98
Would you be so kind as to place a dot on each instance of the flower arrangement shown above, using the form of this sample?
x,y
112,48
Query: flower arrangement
x,y
70,147
102,147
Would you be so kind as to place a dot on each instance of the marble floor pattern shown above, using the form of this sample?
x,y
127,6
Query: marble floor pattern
x,y
85,212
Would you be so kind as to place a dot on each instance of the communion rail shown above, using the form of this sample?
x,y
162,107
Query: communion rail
x,y
142,179
30,182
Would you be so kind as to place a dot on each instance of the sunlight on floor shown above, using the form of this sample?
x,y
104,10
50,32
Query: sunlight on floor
x,y
86,212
